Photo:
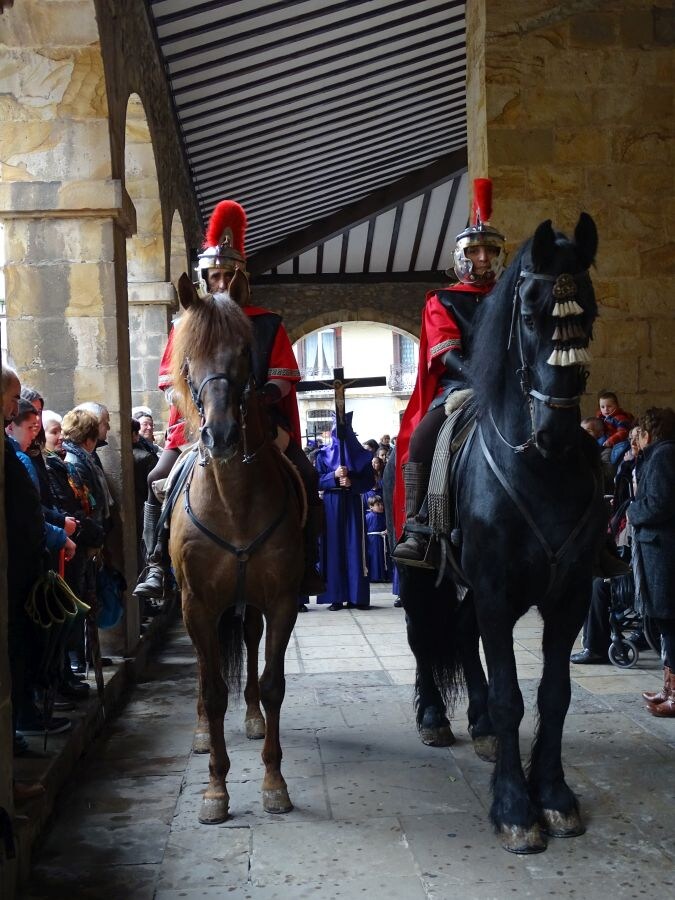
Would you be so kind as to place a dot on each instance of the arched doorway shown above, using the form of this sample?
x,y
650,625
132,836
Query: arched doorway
x,y
364,349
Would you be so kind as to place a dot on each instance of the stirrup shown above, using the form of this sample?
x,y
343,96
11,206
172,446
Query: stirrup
x,y
417,537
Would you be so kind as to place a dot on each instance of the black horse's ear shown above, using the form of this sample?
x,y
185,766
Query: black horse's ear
x,y
586,239
543,246
187,292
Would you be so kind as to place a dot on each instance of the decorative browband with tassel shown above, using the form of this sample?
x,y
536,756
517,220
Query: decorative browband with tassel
x,y
569,339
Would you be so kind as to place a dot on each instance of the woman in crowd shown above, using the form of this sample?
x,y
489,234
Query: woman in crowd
x,y
652,516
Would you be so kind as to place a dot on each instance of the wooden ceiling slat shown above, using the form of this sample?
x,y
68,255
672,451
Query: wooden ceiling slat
x,y
320,133
365,72
237,37
311,114
380,40
315,102
351,152
350,215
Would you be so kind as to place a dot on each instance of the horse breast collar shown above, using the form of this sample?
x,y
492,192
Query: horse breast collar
x,y
242,554
554,557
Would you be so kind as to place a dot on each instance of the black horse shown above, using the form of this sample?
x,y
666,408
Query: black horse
x,y
531,517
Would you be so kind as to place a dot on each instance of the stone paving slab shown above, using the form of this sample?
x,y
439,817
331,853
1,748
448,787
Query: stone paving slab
x,y
376,812
336,850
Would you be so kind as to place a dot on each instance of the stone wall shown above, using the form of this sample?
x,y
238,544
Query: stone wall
x,y
571,108
306,307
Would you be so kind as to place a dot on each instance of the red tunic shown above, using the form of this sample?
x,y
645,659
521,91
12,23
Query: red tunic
x,y
440,333
282,365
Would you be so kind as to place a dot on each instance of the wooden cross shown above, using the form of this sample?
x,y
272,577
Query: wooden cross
x,y
339,385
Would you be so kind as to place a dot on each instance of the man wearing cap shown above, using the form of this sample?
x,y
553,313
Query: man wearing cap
x,y
276,372
445,344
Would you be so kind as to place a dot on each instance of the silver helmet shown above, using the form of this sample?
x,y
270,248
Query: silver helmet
x,y
479,234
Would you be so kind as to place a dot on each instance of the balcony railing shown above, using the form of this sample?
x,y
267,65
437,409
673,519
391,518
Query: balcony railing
x,y
402,379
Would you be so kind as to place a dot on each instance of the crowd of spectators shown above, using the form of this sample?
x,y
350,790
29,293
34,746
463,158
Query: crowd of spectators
x,y
638,456
58,515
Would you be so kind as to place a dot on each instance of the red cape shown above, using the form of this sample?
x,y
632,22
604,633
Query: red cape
x,y
439,334
282,366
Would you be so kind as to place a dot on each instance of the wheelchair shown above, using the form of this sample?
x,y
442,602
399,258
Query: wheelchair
x,y
627,624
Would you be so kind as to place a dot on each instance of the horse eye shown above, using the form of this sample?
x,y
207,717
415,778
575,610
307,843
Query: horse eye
x,y
528,321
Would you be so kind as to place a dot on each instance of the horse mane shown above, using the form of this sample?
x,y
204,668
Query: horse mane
x,y
492,323
209,325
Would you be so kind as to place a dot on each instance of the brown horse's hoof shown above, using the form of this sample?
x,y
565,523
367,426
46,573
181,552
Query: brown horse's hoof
x,y
255,728
201,743
523,841
214,810
485,747
562,825
437,737
276,801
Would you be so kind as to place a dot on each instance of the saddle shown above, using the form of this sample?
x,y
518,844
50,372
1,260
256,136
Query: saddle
x,y
452,446
172,487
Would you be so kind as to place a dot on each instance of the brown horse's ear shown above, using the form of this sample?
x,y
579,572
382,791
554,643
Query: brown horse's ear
x,y
187,292
238,288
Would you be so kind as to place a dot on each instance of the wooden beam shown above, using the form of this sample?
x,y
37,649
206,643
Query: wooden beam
x,y
379,201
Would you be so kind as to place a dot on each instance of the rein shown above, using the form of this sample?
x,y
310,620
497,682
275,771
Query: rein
x,y
242,554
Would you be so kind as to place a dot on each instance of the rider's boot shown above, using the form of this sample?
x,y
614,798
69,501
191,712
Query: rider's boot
x,y
411,550
151,514
312,583
151,585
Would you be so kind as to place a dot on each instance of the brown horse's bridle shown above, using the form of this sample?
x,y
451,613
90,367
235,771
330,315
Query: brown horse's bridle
x,y
196,394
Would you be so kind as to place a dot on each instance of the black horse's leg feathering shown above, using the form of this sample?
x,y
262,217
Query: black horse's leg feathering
x,y
548,788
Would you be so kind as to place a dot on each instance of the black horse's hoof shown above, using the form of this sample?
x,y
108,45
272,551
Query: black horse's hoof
x,y
441,736
521,840
562,825
485,747
434,728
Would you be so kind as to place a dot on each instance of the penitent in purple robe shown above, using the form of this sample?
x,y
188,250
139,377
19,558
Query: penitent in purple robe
x,y
343,547
376,546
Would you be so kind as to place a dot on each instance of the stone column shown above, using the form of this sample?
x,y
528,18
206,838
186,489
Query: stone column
x,y
67,319
151,307
571,107
7,867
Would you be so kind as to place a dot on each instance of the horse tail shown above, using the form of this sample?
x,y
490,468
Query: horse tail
x,y
231,642
431,619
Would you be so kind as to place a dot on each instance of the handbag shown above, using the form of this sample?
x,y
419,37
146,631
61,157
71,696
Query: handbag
x,y
110,588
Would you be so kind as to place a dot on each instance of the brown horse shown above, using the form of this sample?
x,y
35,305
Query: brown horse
x,y
236,539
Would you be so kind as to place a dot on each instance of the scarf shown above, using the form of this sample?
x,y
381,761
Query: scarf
x,y
96,476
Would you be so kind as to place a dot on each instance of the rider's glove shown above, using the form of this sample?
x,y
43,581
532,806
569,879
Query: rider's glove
x,y
272,393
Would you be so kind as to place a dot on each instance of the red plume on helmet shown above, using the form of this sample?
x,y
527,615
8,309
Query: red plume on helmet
x,y
482,200
228,214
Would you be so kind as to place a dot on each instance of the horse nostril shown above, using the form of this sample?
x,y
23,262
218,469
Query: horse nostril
x,y
233,436
207,437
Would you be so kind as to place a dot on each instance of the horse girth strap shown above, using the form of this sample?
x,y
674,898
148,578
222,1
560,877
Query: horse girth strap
x,y
554,557
242,554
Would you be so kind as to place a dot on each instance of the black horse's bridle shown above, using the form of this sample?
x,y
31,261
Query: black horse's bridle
x,y
524,370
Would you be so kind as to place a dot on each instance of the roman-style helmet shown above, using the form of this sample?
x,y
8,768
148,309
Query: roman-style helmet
x,y
224,242
479,234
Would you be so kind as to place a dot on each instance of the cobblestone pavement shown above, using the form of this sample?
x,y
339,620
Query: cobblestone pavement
x,y
377,813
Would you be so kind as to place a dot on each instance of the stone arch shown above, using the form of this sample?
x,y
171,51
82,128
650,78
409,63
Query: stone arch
x,y
152,297
179,261
405,323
